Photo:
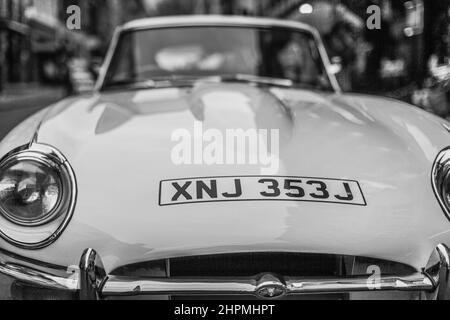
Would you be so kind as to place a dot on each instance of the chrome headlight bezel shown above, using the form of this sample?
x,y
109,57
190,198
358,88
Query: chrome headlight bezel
x,y
441,180
41,233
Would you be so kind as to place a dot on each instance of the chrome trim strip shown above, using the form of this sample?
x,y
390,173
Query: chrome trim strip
x,y
211,19
446,127
39,278
43,153
108,60
414,282
251,286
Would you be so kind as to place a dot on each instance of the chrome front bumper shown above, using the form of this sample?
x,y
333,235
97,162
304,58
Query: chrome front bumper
x,y
90,281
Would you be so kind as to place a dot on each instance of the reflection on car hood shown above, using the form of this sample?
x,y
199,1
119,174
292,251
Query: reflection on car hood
x,y
120,147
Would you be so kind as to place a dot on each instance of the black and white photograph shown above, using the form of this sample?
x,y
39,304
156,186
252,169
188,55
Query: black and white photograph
x,y
203,152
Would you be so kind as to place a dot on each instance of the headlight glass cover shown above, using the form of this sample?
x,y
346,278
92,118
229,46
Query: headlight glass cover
x,y
30,192
37,196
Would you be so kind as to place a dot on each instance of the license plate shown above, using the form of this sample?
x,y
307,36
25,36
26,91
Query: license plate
x,y
260,188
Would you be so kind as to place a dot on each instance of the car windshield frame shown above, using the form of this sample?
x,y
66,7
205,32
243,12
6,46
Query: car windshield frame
x,y
324,62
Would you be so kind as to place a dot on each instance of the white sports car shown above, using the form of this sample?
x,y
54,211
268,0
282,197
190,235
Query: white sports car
x,y
218,156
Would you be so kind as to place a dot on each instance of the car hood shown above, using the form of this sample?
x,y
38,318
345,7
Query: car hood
x,y
120,145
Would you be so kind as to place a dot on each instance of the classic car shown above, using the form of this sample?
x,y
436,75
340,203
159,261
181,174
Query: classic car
x,y
123,194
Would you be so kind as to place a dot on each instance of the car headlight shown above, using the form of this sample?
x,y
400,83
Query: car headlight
x,y
441,180
37,196
30,191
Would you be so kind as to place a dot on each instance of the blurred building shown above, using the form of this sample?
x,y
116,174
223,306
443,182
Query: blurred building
x,y
34,37
35,42
29,31
391,58
14,35
101,17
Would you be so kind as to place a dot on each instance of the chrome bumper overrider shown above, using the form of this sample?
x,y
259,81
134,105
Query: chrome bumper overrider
x,y
92,283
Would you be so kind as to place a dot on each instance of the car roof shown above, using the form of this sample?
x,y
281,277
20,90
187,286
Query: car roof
x,y
213,20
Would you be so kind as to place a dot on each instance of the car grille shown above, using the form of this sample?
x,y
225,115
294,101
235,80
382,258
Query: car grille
x,y
252,264
300,265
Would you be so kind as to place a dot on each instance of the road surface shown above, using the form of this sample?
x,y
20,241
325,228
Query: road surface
x,y
14,110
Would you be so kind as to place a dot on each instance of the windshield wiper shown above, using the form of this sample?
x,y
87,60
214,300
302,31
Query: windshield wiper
x,y
129,84
256,79
164,82
149,84
280,82
154,83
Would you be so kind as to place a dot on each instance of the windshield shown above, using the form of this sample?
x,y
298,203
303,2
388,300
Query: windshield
x,y
201,52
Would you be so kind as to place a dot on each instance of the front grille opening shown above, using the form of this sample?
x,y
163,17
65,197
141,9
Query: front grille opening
x,y
151,269
252,264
